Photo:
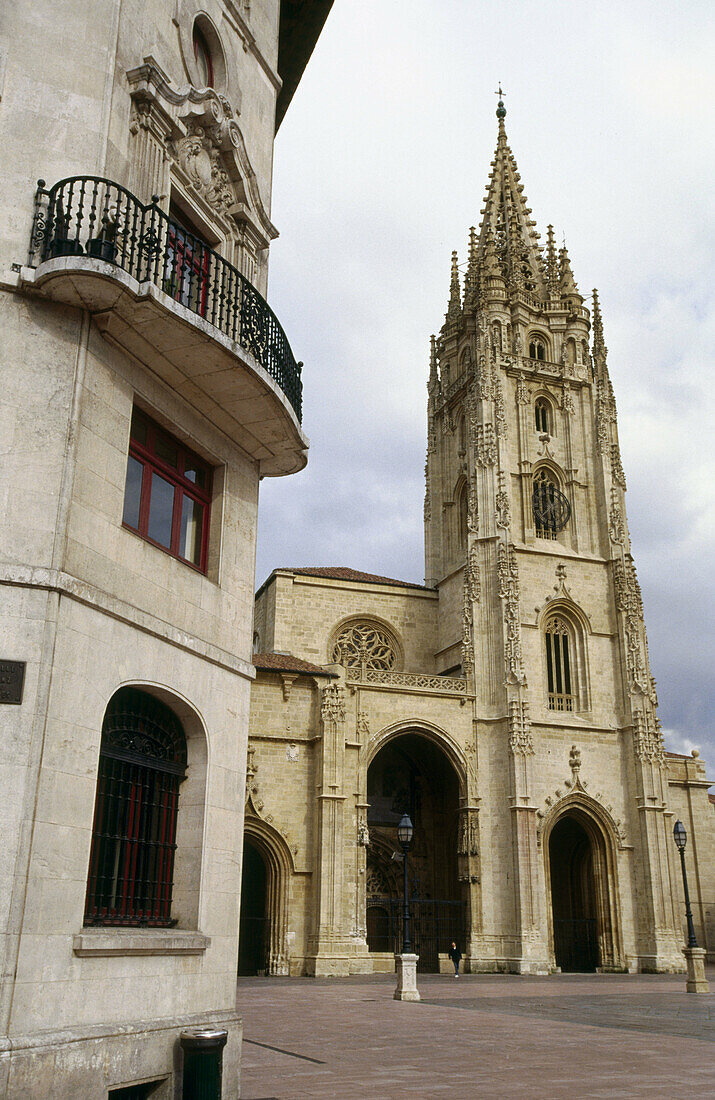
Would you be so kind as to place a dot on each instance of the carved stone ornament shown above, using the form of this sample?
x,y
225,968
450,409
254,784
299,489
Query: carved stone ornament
x,y
332,704
485,445
575,790
617,470
508,591
468,842
567,401
363,726
521,741
522,396
195,128
630,602
472,577
473,508
254,802
616,527
502,514
648,737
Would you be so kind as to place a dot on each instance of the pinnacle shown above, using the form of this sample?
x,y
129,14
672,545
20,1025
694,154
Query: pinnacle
x,y
433,383
455,297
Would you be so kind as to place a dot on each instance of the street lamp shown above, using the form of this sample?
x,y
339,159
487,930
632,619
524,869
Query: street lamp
x,y
694,955
406,962
405,832
681,839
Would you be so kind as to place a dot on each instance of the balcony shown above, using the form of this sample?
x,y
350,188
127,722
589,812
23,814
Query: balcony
x,y
171,302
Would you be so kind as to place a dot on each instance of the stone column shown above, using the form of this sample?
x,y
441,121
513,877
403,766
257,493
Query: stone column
x,y
330,944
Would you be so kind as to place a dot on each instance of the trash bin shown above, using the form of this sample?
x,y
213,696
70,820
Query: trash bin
x,y
203,1062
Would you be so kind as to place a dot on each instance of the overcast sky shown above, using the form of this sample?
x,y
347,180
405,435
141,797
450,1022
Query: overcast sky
x,y
380,168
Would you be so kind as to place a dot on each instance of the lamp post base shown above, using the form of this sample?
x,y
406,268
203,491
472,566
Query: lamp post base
x,y
695,959
406,966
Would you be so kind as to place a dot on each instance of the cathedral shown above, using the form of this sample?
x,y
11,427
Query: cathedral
x,y
507,704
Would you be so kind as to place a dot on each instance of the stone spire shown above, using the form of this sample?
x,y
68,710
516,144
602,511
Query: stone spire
x,y
507,218
454,309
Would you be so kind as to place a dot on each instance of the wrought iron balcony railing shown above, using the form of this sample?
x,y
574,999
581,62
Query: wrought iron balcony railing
x,y
94,217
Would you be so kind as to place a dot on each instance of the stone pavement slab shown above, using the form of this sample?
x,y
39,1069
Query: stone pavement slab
x,y
492,1036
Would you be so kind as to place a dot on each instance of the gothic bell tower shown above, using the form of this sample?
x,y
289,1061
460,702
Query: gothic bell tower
x,y
527,542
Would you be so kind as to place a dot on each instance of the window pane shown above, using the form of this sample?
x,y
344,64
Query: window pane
x,y
161,510
166,450
139,427
132,492
192,521
194,472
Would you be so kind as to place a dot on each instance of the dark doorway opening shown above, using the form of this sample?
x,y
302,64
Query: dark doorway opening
x,y
254,931
413,775
573,897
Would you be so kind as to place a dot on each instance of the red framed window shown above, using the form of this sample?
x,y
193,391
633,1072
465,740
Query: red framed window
x,y
142,762
186,275
167,495
204,61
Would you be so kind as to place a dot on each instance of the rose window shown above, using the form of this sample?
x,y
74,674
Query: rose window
x,y
363,645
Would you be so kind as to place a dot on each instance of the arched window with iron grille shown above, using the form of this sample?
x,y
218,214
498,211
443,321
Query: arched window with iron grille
x,y
561,680
552,510
142,762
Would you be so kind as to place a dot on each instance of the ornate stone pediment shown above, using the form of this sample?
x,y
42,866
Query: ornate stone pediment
x,y
196,130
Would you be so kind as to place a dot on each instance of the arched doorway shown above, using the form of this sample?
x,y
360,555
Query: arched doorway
x,y
412,774
254,930
583,893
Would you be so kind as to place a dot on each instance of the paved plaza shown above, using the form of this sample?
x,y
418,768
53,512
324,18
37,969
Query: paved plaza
x,y
576,1036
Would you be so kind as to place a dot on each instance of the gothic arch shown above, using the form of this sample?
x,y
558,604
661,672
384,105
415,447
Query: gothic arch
x,y
430,732
573,620
376,622
543,398
280,867
605,839
537,338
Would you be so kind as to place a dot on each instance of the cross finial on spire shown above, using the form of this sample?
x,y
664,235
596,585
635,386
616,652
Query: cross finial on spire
x,y
501,109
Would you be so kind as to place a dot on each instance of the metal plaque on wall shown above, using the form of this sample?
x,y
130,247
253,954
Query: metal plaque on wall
x,y
12,680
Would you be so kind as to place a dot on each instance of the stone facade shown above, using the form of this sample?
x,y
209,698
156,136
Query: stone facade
x,y
509,703
113,97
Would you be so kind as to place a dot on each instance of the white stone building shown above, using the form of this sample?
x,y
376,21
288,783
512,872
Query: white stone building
x,y
146,387
507,705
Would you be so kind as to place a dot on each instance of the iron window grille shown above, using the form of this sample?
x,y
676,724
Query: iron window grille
x,y
142,762
552,510
167,494
558,666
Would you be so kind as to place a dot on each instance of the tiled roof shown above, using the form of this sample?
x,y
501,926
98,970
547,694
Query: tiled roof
x,y
286,662
342,573
712,798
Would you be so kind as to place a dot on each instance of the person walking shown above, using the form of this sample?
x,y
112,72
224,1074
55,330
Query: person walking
x,y
455,955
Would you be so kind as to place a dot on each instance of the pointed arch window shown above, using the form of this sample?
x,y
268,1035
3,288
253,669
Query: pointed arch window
x,y
551,508
561,680
142,762
542,415
537,348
